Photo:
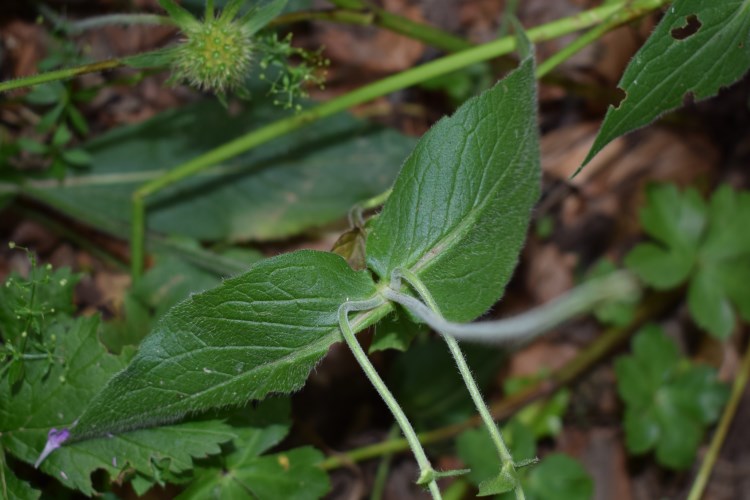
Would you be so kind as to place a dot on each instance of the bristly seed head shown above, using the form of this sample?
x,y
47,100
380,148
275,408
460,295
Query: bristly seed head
x,y
215,56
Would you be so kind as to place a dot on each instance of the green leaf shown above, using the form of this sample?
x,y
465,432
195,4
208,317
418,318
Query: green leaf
x,y
52,398
159,58
710,246
31,146
431,394
11,487
475,449
677,221
260,17
500,483
77,157
559,477
291,474
52,292
46,94
668,400
258,333
62,136
460,208
709,304
395,332
306,179
673,64
542,418
180,15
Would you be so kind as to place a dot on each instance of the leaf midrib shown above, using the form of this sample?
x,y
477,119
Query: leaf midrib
x,y
463,227
358,323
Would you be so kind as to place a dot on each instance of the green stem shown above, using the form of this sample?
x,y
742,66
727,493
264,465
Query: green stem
x,y
137,237
60,74
372,91
579,44
506,459
611,339
381,476
121,20
399,24
342,16
738,389
425,469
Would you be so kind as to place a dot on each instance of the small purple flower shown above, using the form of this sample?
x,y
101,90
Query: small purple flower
x,y
55,439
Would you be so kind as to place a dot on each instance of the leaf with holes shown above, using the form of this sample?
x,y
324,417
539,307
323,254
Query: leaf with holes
x,y
461,205
697,48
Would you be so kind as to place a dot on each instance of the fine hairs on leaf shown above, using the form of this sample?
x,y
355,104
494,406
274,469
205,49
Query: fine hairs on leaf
x,y
258,333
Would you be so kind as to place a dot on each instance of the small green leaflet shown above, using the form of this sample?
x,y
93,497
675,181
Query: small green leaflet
x,y
668,400
709,246
53,398
671,65
259,17
556,477
258,333
241,472
559,477
461,205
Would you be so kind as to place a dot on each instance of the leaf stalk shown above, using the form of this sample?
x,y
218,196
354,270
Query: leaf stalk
x,y
426,472
506,458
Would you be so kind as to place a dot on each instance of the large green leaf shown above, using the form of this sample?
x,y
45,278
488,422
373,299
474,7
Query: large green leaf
x,y
258,333
460,208
52,397
675,62
306,179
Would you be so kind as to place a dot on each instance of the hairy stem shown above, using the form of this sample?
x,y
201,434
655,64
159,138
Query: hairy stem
x,y
60,74
506,459
425,469
738,390
524,327
652,306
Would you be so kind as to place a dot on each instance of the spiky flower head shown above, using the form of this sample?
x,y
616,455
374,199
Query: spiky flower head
x,y
215,56
216,53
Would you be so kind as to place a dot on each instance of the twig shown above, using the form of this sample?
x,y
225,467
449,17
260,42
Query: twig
x,y
738,390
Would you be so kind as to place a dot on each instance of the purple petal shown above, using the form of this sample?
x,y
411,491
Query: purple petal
x,y
55,439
